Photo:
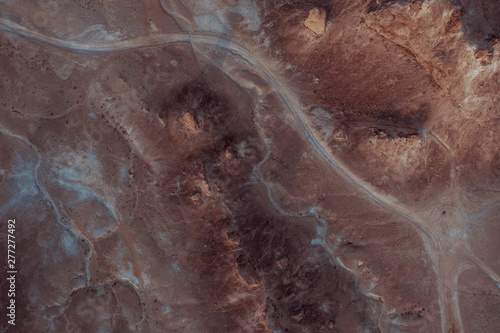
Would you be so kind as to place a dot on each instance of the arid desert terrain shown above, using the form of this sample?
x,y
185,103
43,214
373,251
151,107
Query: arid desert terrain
x,y
214,166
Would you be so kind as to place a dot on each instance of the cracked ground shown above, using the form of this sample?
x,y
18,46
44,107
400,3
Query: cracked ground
x,y
251,166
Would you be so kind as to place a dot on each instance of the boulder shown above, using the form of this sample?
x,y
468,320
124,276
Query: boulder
x,y
316,21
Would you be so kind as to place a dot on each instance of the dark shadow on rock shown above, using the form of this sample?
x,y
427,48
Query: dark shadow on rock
x,y
390,123
480,20
374,5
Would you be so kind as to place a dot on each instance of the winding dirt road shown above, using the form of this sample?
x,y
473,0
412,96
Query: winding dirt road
x,y
450,255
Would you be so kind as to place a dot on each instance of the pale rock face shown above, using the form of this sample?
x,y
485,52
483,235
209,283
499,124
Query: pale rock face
x,y
316,21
